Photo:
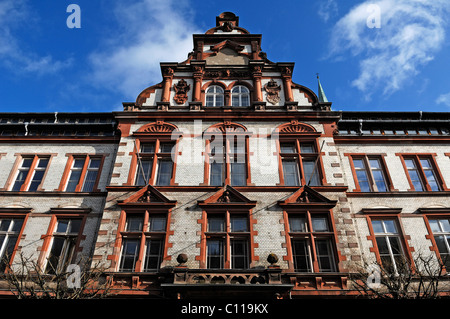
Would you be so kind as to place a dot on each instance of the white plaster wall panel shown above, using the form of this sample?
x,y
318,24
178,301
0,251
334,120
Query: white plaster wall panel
x,y
300,98
153,98
190,164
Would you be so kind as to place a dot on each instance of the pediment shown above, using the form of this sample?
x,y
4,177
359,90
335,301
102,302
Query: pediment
x,y
227,196
148,195
306,196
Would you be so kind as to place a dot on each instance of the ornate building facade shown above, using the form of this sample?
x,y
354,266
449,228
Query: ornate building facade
x,y
225,179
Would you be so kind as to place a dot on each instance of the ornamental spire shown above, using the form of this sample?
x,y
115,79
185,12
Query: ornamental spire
x,y
322,96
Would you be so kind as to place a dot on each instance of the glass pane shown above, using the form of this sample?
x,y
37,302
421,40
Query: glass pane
x,y
434,225
164,172
73,180
377,226
143,172
238,224
4,224
320,224
153,254
148,148
216,178
287,148
311,173
239,256
307,148
290,173
301,257
238,174
158,223
215,254
379,180
297,224
17,225
324,255
166,147
216,224
390,226
55,254
135,223
62,226
75,225
43,162
445,223
89,182
358,163
440,243
395,245
36,180
382,245
94,163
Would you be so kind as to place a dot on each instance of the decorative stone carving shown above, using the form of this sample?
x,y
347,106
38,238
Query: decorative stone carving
x,y
273,91
181,89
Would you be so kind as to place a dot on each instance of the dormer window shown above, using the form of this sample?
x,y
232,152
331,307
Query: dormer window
x,y
214,96
240,96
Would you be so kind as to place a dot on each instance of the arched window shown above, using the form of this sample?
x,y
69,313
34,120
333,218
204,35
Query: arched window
x,y
240,96
214,96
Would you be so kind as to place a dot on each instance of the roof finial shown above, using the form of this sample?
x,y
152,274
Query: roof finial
x,y
322,96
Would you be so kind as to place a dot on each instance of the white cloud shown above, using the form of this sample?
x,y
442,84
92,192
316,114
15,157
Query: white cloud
x,y
327,9
444,99
14,14
410,34
151,31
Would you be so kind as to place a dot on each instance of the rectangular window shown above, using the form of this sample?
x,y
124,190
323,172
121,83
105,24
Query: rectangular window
x,y
143,232
223,230
228,162
30,173
83,174
422,172
441,232
300,163
63,245
311,239
389,244
370,173
239,254
154,163
9,235
215,253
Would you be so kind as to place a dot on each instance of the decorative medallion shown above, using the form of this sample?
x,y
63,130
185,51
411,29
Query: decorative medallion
x,y
273,90
181,89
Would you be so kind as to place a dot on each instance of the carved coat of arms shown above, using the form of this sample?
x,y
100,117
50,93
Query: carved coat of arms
x,y
181,89
273,90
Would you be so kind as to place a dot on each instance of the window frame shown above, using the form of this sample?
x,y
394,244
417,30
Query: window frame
x,y
229,156
437,214
215,95
135,170
299,157
421,172
142,236
227,237
84,171
240,95
13,213
392,214
311,237
63,214
35,159
368,169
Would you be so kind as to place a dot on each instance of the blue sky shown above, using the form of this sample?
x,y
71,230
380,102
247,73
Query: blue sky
x,y
378,55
